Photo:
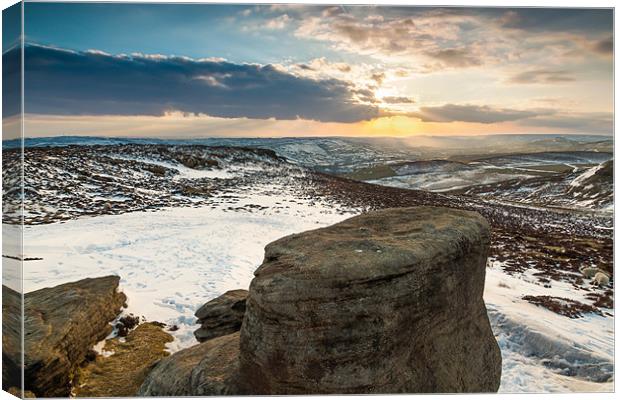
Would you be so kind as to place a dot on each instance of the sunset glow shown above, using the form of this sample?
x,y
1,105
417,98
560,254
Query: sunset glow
x,y
315,70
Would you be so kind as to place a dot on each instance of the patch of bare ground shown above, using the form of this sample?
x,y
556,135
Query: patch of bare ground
x,y
121,373
563,306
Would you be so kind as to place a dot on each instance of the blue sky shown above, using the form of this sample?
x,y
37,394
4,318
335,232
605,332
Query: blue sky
x,y
286,70
191,30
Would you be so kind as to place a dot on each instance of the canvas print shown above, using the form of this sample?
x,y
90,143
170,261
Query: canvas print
x,y
234,199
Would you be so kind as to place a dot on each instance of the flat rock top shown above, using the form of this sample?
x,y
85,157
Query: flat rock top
x,y
374,245
222,304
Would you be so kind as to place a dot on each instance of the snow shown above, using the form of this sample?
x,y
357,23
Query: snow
x,y
444,181
183,171
170,261
12,246
530,336
578,181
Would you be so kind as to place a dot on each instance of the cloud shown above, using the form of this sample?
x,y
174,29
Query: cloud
x,y
577,20
542,76
604,46
459,58
397,100
278,23
11,82
65,82
366,77
575,122
436,39
471,113
568,121
378,77
389,33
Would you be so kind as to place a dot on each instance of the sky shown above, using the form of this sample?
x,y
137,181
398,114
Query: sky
x,y
191,70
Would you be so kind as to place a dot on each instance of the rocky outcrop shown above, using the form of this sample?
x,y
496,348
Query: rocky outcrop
x,y
385,302
221,316
61,325
11,339
122,370
208,369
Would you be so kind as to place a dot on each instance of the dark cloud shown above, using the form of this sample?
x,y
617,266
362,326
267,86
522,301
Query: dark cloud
x,y
471,113
542,76
575,122
605,46
11,61
398,100
576,20
541,118
94,83
378,77
11,83
456,57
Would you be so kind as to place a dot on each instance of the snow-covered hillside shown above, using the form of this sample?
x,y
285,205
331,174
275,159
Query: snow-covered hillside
x,y
588,188
581,180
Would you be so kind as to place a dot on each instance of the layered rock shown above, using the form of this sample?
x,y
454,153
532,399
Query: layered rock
x,y
11,339
386,302
61,325
207,369
221,316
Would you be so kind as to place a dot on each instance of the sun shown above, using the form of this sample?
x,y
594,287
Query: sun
x,y
397,125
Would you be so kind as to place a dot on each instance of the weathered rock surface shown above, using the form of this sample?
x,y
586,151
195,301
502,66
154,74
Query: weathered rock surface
x,y
385,302
61,325
207,369
221,316
121,373
17,392
11,339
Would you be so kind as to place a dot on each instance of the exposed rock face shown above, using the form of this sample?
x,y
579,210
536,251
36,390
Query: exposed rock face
x,y
385,302
221,316
207,369
11,339
121,373
61,325
17,392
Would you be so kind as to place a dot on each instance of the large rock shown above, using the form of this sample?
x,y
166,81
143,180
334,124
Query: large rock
x,y
385,302
207,369
221,316
61,325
